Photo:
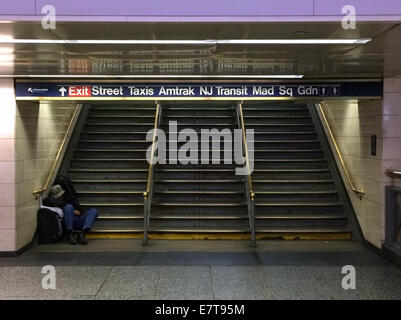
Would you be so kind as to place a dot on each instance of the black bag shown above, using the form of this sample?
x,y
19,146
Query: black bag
x,y
49,228
70,195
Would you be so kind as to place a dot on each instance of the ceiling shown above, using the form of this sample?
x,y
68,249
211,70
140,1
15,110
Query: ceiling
x,y
378,58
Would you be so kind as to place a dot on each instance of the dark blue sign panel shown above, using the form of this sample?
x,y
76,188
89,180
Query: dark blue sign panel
x,y
90,90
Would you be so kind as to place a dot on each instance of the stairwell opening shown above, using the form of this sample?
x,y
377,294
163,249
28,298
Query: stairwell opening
x,y
296,195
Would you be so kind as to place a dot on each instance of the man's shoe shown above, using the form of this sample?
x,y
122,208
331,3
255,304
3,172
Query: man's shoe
x,y
81,238
70,239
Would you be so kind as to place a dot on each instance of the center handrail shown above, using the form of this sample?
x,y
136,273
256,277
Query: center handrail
x,y
250,194
148,194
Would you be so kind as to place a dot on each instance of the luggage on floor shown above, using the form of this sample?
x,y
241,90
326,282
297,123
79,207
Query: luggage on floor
x,y
49,229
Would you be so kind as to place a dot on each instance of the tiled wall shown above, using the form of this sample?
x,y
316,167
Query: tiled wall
x,y
39,131
7,166
392,127
353,123
30,136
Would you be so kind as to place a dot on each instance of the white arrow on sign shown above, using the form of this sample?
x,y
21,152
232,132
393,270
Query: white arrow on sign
x,y
30,90
63,91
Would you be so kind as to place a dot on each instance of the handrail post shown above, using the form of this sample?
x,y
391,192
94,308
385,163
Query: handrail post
x,y
148,194
253,227
250,195
145,219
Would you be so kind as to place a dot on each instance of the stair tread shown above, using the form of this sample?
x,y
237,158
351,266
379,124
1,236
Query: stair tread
x,y
119,124
114,132
105,159
297,192
304,230
145,132
198,180
111,216
200,204
107,180
156,170
110,192
113,141
256,160
196,192
97,108
272,109
108,204
202,124
285,141
293,180
110,150
167,109
291,170
277,117
106,170
299,204
194,170
300,216
197,150
172,217
176,141
284,132
286,150
220,230
290,160
247,125
197,116
120,116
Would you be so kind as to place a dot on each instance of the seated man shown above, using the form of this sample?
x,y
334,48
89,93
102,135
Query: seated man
x,y
73,219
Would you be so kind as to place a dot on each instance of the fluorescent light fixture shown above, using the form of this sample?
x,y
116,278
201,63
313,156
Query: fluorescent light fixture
x,y
295,41
57,41
268,76
188,42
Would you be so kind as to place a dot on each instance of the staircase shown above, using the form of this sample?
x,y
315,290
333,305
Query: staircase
x,y
109,168
202,200
296,184
296,194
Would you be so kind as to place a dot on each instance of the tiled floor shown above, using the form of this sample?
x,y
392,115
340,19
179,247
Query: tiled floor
x,y
200,270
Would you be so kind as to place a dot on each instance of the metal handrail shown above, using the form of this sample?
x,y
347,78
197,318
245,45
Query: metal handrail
x,y
360,193
250,194
148,194
393,174
39,192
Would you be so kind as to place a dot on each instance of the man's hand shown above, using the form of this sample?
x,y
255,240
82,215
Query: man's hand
x,y
77,213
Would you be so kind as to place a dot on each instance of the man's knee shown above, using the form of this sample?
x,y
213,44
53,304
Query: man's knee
x,y
69,208
93,213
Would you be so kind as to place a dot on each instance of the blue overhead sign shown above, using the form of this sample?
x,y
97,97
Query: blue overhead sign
x,y
134,90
